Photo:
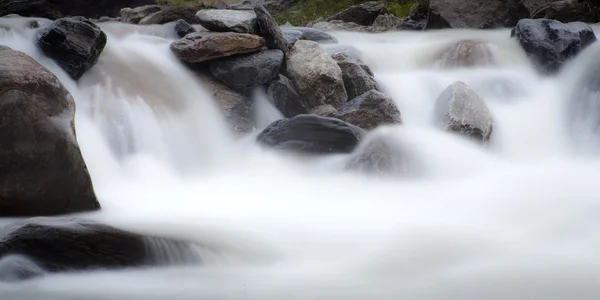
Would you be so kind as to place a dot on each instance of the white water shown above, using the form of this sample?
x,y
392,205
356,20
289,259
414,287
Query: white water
x,y
520,220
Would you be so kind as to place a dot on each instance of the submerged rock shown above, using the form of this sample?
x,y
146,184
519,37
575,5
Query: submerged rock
x,y
285,98
549,43
244,71
202,46
183,28
381,157
135,15
311,34
225,20
74,43
291,37
170,14
18,267
356,75
42,169
362,14
69,244
459,109
370,110
269,30
477,13
466,53
311,134
316,76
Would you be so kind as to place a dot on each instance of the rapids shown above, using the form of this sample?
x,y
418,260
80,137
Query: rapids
x,y
517,220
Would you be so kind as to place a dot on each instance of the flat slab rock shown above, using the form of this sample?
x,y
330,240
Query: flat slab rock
x,y
203,46
311,134
226,20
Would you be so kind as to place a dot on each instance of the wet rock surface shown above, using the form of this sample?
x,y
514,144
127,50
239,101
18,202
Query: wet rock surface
x,y
203,46
270,31
183,28
465,54
370,110
170,14
311,134
325,110
357,75
135,15
244,71
74,43
285,98
226,20
311,34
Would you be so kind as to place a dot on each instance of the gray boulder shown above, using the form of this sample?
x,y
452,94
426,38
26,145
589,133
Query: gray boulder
x,y
316,76
387,21
203,46
171,14
292,36
43,172
311,134
73,43
183,28
549,44
311,34
459,109
225,20
325,110
135,15
357,79
269,30
370,110
285,98
362,14
477,13
244,71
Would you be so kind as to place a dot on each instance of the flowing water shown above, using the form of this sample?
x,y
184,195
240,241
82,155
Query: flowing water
x,y
517,220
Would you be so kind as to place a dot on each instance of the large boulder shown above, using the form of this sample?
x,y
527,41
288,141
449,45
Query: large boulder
x,y
549,43
362,14
202,46
42,170
236,107
459,109
170,14
244,71
465,54
226,20
285,98
311,34
69,244
565,10
311,134
55,9
477,13
316,76
135,15
356,75
370,110
74,43
269,30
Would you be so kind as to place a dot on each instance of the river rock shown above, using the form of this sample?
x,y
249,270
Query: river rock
x,y
477,13
357,80
291,37
465,54
362,14
564,10
549,44
459,109
236,107
370,110
225,20
316,76
135,15
171,14
74,43
387,21
202,46
269,30
311,134
381,157
337,25
43,172
285,98
69,244
183,28
325,110
244,71
311,34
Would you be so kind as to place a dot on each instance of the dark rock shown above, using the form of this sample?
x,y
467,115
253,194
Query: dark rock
x,y
565,10
69,244
549,43
465,53
225,20
269,30
284,97
325,110
135,15
74,43
311,134
357,79
183,28
244,71
415,25
459,109
387,21
370,110
170,14
237,108
311,34
362,14
54,9
202,46
477,13
42,171
292,36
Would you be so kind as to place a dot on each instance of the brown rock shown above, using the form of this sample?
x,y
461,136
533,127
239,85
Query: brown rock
x,y
202,46
324,111
370,110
